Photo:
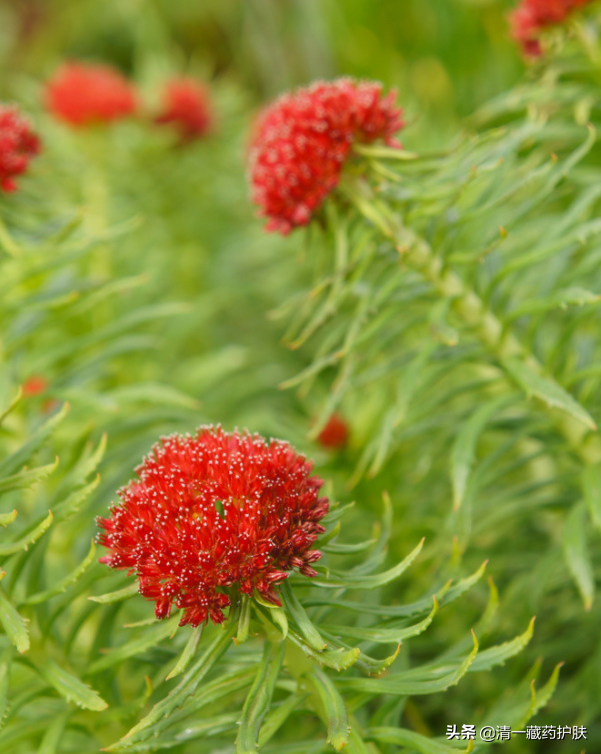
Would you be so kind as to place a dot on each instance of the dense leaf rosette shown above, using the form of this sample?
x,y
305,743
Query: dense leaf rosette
x,y
82,94
213,514
303,139
18,144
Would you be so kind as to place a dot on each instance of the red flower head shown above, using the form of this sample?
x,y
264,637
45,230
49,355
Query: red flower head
x,y
18,144
303,140
82,94
530,18
335,434
187,106
35,385
212,514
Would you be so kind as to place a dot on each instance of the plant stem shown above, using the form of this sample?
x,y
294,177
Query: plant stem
x,y
418,255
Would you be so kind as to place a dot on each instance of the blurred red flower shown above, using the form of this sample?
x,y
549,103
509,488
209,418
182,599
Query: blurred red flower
x,y
35,385
531,17
335,434
18,144
212,515
303,139
187,107
82,94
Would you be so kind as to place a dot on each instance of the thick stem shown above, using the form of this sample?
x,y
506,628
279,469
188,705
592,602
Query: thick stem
x,y
418,255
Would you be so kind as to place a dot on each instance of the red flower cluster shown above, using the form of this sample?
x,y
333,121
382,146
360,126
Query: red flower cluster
x,y
335,434
18,144
82,94
215,513
187,107
533,16
303,140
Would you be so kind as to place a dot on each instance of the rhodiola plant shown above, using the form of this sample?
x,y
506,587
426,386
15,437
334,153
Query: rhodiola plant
x,y
454,314
326,664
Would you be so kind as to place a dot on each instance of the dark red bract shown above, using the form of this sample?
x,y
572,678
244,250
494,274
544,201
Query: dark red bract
x,y
18,144
83,94
303,139
187,108
214,514
531,17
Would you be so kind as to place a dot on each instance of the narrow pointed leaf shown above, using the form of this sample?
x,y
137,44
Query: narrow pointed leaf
x,y
385,635
14,625
577,556
62,585
410,740
188,653
117,596
334,708
489,658
258,700
22,544
464,447
27,478
17,460
70,687
547,390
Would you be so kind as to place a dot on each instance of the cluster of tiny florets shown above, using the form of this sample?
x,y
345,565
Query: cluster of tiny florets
x,y
187,108
532,17
214,514
82,94
303,139
18,144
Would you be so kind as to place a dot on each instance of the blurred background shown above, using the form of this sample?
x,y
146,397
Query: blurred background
x,y
443,56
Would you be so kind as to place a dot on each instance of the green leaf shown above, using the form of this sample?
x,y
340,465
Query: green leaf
x,y
157,720
543,696
4,679
379,579
547,390
307,630
62,585
489,658
427,680
11,405
576,554
75,500
334,707
387,635
7,518
120,594
134,647
27,478
338,659
70,687
562,299
243,621
389,153
413,741
14,625
258,700
278,716
464,447
17,460
53,736
188,653
22,544
591,489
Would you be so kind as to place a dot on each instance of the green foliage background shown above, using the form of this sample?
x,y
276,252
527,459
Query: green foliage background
x,y
136,279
